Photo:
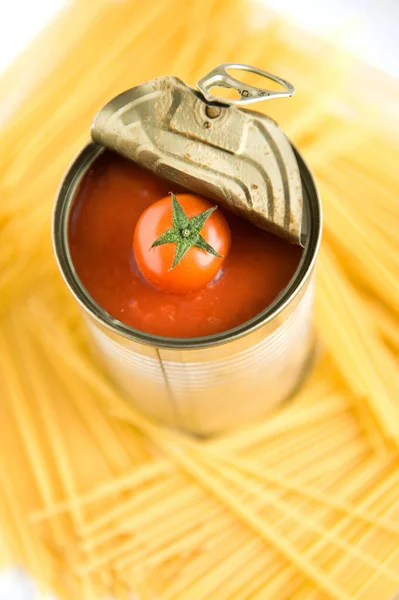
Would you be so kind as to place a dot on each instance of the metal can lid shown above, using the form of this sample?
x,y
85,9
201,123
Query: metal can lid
x,y
211,145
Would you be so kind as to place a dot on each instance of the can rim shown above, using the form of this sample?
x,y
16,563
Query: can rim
x,y
63,204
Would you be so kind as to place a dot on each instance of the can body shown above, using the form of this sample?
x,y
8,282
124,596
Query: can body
x,y
207,385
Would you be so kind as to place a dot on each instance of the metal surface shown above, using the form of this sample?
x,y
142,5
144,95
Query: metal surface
x,y
220,77
203,385
240,158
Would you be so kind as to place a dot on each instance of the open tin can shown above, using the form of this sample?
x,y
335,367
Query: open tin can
x,y
207,385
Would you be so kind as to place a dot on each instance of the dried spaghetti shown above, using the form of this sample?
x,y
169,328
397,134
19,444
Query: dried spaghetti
x,y
97,501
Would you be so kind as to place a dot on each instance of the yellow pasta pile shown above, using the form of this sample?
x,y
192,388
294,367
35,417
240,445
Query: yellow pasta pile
x,y
97,502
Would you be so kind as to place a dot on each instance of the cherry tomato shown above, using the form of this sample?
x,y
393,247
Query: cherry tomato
x,y
197,267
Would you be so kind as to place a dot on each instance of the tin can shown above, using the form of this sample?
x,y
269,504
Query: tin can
x,y
204,385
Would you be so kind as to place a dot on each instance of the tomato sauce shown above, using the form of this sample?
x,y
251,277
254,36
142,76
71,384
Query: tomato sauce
x,y
111,197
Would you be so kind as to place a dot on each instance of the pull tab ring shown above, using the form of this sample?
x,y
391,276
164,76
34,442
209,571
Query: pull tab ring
x,y
219,77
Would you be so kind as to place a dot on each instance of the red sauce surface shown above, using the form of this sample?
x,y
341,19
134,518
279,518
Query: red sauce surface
x,y
109,202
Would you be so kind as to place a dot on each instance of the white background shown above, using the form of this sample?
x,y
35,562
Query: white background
x,y
370,30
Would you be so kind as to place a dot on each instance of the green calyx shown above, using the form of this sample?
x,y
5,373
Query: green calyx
x,y
186,233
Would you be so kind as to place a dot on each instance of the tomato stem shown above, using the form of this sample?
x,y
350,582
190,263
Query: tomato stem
x,y
186,233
